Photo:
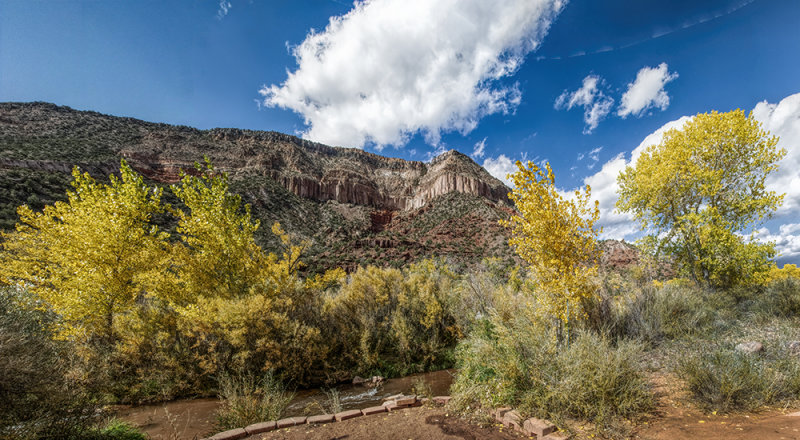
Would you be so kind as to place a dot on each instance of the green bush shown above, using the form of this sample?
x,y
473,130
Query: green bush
x,y
39,397
519,364
249,400
781,297
118,430
724,380
653,315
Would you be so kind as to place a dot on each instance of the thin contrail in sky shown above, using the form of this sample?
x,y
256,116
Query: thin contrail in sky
x,y
656,34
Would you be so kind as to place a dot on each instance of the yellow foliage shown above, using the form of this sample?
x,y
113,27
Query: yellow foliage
x,y
324,281
92,257
557,238
220,257
394,321
700,188
786,272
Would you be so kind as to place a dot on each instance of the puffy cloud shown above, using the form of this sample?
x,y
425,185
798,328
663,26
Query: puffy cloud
x,y
389,69
479,150
500,167
604,189
783,120
787,241
596,105
647,91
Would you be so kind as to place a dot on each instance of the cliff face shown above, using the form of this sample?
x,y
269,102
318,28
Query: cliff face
x,y
323,173
161,151
374,209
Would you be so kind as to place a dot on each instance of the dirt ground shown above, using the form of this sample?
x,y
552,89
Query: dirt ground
x,y
409,423
675,418
436,424
685,423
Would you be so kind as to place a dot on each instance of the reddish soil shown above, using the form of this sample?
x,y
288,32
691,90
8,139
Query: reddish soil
x,y
437,424
409,423
687,423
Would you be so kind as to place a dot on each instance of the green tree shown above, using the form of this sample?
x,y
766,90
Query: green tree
x,y
700,189
557,237
89,258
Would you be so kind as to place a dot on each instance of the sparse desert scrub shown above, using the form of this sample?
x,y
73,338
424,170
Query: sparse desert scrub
x,y
520,364
723,379
652,314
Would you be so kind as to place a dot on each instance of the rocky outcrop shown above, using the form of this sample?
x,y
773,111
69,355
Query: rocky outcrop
x,y
618,254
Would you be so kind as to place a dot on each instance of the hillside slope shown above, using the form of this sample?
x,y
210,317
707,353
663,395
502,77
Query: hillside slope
x,y
355,207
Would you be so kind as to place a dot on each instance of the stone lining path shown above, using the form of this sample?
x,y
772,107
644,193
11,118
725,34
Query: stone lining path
x,y
506,417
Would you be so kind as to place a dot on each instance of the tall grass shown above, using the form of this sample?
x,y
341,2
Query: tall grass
x,y
249,399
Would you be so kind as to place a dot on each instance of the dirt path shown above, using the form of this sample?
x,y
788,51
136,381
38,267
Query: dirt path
x,y
684,423
409,423
436,424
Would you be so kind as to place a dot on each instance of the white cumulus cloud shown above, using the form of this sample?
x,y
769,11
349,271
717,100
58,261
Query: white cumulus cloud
x,y
500,167
783,120
389,69
787,240
647,91
596,105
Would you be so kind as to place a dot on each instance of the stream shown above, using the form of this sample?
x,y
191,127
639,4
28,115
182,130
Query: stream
x,y
194,418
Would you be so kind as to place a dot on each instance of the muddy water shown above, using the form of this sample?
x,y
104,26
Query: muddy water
x,y
194,418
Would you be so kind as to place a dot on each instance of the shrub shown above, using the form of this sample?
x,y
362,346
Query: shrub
x,y
655,314
724,380
250,400
780,297
39,397
392,322
118,430
519,364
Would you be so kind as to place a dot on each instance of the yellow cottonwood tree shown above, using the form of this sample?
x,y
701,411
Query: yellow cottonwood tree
x,y
700,189
220,257
557,237
89,258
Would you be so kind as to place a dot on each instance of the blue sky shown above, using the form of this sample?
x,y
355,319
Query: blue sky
x,y
412,78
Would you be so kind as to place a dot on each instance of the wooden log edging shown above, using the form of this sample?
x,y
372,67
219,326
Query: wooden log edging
x,y
394,403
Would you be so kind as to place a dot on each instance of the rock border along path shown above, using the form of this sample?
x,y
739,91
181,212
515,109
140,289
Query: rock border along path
x,y
393,403
541,429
